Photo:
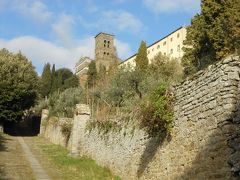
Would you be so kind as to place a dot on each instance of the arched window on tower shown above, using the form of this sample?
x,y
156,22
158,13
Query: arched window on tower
x,y
108,43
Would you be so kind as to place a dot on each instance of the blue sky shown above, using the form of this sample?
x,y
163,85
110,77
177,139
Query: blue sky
x,y
61,32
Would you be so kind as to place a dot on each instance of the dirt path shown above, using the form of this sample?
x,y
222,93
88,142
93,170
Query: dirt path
x,y
13,164
39,172
20,161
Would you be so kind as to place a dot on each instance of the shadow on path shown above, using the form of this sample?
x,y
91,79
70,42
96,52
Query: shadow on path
x,y
3,142
27,127
2,148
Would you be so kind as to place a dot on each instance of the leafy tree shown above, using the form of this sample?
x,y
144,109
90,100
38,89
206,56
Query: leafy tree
x,y
141,58
71,82
212,35
18,85
63,104
102,76
92,74
117,88
46,81
65,73
59,81
164,70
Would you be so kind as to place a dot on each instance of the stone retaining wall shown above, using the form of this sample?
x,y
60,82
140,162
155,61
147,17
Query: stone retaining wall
x,y
53,129
204,143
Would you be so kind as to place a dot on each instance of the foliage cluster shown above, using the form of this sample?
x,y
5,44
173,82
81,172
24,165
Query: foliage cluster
x,y
157,113
63,104
104,126
56,80
142,93
66,129
18,85
213,34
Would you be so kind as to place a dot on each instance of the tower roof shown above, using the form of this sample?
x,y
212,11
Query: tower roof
x,y
104,34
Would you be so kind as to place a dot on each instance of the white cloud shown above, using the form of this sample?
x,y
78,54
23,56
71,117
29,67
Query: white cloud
x,y
36,10
63,29
122,21
113,21
40,51
172,6
123,49
91,7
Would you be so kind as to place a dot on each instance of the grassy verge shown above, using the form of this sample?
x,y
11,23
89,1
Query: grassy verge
x,y
75,168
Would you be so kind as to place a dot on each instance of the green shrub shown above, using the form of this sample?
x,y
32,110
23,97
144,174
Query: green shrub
x,y
66,129
41,104
103,126
156,113
63,104
138,95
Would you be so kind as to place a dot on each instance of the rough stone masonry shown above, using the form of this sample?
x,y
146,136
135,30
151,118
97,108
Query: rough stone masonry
x,y
204,143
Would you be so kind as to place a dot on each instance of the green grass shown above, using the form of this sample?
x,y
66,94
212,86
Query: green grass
x,y
75,168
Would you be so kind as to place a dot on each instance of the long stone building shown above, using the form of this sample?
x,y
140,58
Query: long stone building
x,y
170,45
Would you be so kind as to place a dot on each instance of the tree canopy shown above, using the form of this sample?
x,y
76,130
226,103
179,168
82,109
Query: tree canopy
x,y
56,80
212,35
18,85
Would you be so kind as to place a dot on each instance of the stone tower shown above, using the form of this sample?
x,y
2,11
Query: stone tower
x,y
105,52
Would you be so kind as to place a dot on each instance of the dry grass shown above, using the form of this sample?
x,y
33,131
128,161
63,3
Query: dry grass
x,y
69,167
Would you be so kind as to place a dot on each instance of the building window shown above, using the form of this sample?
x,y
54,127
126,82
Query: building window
x,y
152,49
105,42
158,46
178,35
171,39
104,53
107,53
164,54
164,43
171,51
108,43
178,48
148,51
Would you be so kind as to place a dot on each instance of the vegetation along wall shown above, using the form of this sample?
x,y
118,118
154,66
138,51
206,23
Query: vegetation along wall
x,y
56,130
204,143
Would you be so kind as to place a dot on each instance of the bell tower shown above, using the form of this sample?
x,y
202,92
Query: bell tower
x,y
105,52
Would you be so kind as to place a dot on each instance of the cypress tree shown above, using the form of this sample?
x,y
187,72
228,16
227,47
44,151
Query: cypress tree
x,y
54,80
46,80
141,58
92,74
